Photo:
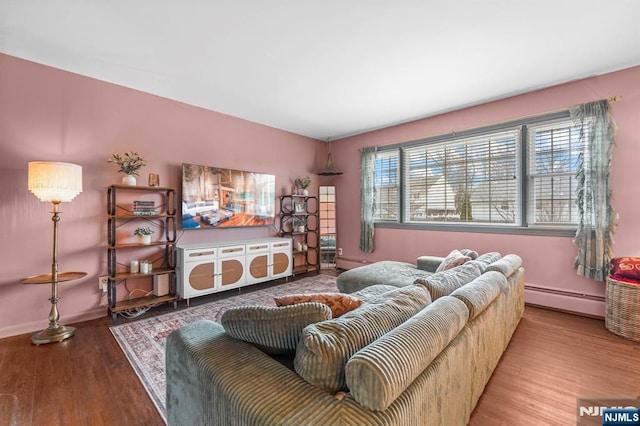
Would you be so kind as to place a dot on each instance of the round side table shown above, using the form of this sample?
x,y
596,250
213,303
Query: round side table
x,y
56,332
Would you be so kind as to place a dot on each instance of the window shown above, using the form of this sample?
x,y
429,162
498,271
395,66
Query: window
x,y
467,180
387,185
516,177
553,163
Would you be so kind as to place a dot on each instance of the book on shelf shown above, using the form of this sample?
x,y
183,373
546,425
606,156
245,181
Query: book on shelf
x,y
144,208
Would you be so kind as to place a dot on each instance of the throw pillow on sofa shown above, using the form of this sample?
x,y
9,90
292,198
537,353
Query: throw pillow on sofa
x,y
325,347
274,330
339,303
453,259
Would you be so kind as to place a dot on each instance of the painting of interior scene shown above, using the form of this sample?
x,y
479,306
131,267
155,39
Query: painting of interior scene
x,y
220,198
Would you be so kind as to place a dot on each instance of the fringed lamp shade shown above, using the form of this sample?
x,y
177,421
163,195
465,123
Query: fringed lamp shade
x,y
55,182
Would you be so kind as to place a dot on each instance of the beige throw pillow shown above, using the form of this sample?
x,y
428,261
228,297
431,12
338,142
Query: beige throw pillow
x,y
453,259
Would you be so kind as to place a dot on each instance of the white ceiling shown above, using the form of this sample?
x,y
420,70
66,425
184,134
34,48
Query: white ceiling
x,y
327,68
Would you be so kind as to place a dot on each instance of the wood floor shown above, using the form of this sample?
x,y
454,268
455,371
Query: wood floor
x,y
553,359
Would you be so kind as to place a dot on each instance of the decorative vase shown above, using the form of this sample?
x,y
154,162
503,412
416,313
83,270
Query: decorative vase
x,y
305,192
300,228
144,239
129,180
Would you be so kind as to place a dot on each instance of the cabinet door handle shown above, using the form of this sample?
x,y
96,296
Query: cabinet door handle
x,y
233,250
202,253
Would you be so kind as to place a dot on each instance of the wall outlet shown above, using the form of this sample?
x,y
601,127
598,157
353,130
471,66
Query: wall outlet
x,y
340,252
102,283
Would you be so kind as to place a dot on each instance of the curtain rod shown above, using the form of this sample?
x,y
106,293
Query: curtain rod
x,y
614,98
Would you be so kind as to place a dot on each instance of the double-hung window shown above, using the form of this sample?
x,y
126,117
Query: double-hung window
x,y
518,177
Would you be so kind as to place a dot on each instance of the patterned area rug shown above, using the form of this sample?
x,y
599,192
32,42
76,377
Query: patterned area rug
x,y
143,341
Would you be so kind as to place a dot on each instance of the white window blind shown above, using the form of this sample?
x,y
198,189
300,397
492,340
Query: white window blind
x,y
466,180
387,182
554,150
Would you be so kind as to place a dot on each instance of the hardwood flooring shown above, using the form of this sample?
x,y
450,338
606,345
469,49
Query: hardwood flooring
x,y
553,359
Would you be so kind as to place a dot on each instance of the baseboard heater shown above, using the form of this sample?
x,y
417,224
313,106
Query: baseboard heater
x,y
558,292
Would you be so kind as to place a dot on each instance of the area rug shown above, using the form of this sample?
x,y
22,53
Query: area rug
x,y
143,341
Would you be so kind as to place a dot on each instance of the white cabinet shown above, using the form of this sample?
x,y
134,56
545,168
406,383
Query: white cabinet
x,y
211,267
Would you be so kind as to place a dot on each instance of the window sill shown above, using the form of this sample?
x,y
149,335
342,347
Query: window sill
x,y
482,229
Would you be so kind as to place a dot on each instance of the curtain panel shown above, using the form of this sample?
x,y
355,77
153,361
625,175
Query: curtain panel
x,y
367,197
597,219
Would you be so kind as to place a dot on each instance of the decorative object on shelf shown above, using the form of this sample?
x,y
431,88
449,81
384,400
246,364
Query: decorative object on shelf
x,y
144,234
298,246
144,208
134,267
303,183
299,224
294,190
329,170
54,182
154,179
129,163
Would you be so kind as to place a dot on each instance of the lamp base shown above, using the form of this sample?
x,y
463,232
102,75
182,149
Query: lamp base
x,y
51,335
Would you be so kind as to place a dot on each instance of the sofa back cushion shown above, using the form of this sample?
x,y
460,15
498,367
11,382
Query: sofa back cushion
x,y
479,293
274,330
325,347
445,282
380,372
507,265
486,259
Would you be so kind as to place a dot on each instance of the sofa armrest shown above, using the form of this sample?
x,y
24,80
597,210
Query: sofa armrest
x,y
429,263
213,378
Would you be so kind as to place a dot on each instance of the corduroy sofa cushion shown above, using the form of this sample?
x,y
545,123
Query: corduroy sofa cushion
x,y
274,330
445,282
486,259
325,347
380,372
373,292
507,265
479,293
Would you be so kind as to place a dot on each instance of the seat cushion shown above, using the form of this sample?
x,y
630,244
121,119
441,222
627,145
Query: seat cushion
x,y
325,347
388,272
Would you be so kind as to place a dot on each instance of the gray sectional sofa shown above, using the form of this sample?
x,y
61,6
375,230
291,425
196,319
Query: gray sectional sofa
x,y
413,354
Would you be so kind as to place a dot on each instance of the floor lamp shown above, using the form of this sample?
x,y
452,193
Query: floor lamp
x,y
54,183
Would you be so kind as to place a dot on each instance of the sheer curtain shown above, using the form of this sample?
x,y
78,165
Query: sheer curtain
x,y
594,236
367,197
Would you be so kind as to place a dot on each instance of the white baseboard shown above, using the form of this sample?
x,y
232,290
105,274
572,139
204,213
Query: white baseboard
x,y
585,304
31,327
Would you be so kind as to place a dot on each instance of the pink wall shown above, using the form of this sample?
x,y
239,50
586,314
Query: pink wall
x,y
52,115
48,114
547,260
